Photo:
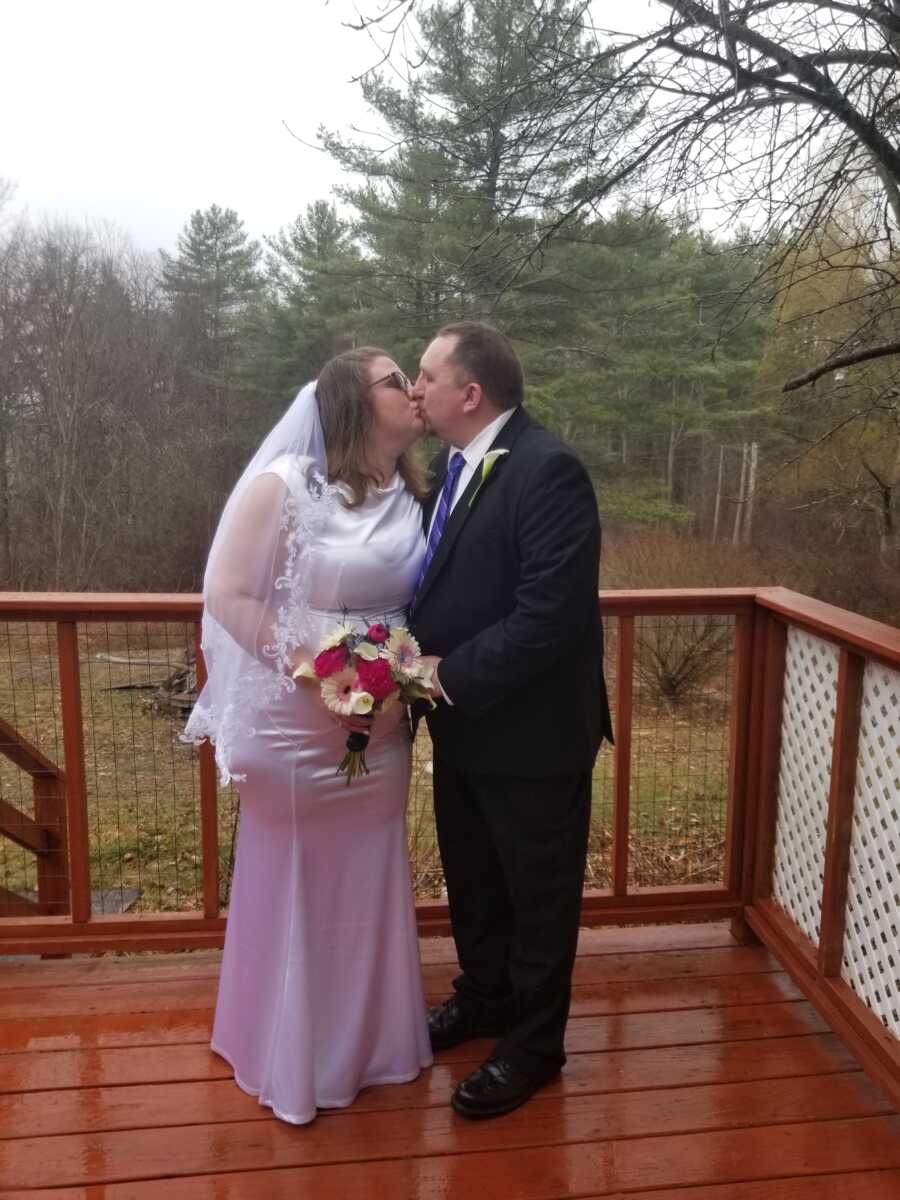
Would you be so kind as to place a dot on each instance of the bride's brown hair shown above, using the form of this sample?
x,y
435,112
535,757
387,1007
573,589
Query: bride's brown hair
x,y
345,411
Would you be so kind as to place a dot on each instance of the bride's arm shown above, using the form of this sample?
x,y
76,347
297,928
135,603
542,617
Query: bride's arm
x,y
239,577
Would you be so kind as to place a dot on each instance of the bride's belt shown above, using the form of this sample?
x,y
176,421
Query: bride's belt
x,y
338,615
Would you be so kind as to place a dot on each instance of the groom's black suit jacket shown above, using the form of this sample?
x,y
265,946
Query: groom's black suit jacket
x,y
509,602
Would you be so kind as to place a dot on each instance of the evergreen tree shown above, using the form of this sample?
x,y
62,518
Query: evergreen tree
x,y
318,301
440,213
212,283
213,287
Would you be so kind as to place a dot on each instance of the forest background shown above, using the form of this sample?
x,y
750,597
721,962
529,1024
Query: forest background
x,y
671,226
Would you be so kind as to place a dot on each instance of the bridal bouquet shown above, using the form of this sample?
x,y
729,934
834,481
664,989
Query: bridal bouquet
x,y
364,675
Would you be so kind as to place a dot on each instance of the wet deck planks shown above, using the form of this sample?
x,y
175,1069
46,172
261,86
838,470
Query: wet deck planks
x,y
697,1071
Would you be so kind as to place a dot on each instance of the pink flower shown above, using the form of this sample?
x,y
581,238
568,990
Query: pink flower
x,y
376,678
377,633
331,660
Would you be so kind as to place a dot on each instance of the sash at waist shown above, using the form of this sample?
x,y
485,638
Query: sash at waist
x,y
390,616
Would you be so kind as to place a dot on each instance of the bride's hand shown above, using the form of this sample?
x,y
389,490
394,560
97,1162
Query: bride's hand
x,y
353,724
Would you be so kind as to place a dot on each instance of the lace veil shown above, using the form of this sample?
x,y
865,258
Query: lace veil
x,y
256,610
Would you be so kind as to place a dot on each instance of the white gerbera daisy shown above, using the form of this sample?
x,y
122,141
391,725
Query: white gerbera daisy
x,y
402,650
338,635
337,691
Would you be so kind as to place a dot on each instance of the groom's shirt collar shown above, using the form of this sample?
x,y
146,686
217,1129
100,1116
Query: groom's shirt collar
x,y
479,446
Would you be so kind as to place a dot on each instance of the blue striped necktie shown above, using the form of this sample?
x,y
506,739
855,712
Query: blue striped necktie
x,y
456,464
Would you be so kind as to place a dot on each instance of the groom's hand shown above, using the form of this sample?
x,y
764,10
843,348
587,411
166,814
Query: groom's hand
x,y
437,692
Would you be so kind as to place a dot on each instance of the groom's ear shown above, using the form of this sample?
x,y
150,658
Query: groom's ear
x,y
474,400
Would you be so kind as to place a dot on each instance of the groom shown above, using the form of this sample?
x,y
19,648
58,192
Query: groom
x,y
507,603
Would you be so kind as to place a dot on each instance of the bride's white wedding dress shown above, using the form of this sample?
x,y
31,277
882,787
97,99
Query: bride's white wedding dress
x,y
321,991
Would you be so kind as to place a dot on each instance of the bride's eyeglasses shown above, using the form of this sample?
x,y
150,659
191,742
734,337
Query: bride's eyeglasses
x,y
396,379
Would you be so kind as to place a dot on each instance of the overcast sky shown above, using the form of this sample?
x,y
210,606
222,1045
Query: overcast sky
x,y
140,113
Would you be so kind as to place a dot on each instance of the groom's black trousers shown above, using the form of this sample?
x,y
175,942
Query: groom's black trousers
x,y
514,855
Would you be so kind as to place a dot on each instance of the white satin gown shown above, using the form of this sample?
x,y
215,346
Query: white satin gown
x,y
321,991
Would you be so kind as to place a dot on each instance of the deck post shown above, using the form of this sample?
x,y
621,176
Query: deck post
x,y
622,759
76,784
769,757
744,703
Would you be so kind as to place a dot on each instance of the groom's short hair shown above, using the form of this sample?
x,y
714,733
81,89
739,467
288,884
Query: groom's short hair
x,y
487,356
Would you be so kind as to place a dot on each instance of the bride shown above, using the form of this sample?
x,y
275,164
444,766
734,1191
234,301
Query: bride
x,y
320,991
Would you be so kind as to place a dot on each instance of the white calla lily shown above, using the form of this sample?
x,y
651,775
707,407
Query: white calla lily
x,y
361,703
488,463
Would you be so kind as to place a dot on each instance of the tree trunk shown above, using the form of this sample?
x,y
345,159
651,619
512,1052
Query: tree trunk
x,y
747,531
889,540
670,462
736,532
718,508
6,555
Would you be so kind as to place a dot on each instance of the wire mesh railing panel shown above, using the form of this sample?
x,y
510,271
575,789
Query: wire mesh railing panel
x,y
228,812
425,860
29,685
683,668
871,962
804,777
29,704
598,870
142,782
18,864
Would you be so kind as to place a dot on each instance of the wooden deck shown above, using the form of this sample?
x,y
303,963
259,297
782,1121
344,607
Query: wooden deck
x,y
696,1071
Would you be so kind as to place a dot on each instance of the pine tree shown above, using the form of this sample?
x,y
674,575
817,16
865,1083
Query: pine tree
x,y
318,295
440,213
212,283
213,287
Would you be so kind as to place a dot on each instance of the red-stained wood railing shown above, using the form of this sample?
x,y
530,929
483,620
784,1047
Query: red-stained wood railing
x,y
80,930
817,966
624,902
43,835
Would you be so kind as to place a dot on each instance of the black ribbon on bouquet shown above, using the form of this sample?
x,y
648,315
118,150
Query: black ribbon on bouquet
x,y
354,761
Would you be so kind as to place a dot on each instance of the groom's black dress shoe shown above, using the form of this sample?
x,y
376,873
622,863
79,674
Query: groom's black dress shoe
x,y
448,1026
497,1087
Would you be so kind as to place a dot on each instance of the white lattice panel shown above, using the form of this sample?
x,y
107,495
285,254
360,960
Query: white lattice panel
x,y
871,963
807,732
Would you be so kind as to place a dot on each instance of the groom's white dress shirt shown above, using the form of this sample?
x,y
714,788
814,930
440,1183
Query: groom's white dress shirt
x,y
473,454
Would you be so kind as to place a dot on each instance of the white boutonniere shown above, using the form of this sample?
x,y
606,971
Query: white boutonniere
x,y
487,465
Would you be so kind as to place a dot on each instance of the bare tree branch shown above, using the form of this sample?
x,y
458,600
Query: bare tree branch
x,y
842,360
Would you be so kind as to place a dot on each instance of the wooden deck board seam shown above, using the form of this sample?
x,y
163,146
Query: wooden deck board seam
x,y
687,1188
200,1012
350,1112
